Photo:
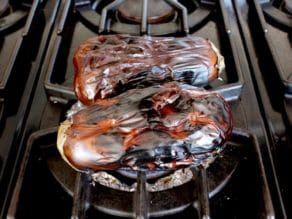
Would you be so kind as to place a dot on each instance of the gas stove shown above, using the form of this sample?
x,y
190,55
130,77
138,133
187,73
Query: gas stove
x,y
249,180
17,29
16,26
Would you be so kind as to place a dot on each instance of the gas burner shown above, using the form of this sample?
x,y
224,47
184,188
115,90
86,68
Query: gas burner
x,y
279,12
112,191
160,11
10,15
155,17
115,181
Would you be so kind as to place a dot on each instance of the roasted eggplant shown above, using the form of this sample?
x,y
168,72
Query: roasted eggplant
x,y
108,65
155,128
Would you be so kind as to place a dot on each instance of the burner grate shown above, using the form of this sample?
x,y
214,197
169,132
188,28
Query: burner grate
x,y
16,26
278,12
104,16
16,29
270,45
36,189
277,24
10,15
60,72
196,192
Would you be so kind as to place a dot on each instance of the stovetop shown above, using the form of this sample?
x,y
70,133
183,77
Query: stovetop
x,y
249,180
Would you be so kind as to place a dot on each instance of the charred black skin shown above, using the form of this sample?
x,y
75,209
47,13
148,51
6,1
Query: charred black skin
x,y
168,155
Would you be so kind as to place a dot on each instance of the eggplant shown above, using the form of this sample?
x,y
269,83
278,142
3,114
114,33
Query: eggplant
x,y
161,127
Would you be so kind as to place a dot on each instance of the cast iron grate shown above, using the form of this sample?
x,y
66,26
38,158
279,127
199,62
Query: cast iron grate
x,y
11,14
107,16
276,22
21,56
38,192
15,64
34,171
270,45
11,31
75,19
16,27
279,12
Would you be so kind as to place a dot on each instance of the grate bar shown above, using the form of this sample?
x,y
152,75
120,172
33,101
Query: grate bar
x,y
141,203
203,192
104,14
81,196
184,13
144,29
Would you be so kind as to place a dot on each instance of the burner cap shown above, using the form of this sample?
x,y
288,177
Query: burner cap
x,y
3,6
158,11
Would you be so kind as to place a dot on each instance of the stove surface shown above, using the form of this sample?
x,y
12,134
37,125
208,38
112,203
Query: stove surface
x,y
255,39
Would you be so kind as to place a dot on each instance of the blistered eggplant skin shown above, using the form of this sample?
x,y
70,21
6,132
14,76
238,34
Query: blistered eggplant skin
x,y
108,65
159,127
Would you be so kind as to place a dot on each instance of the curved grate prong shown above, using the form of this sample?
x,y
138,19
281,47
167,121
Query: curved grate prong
x,y
104,14
184,14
